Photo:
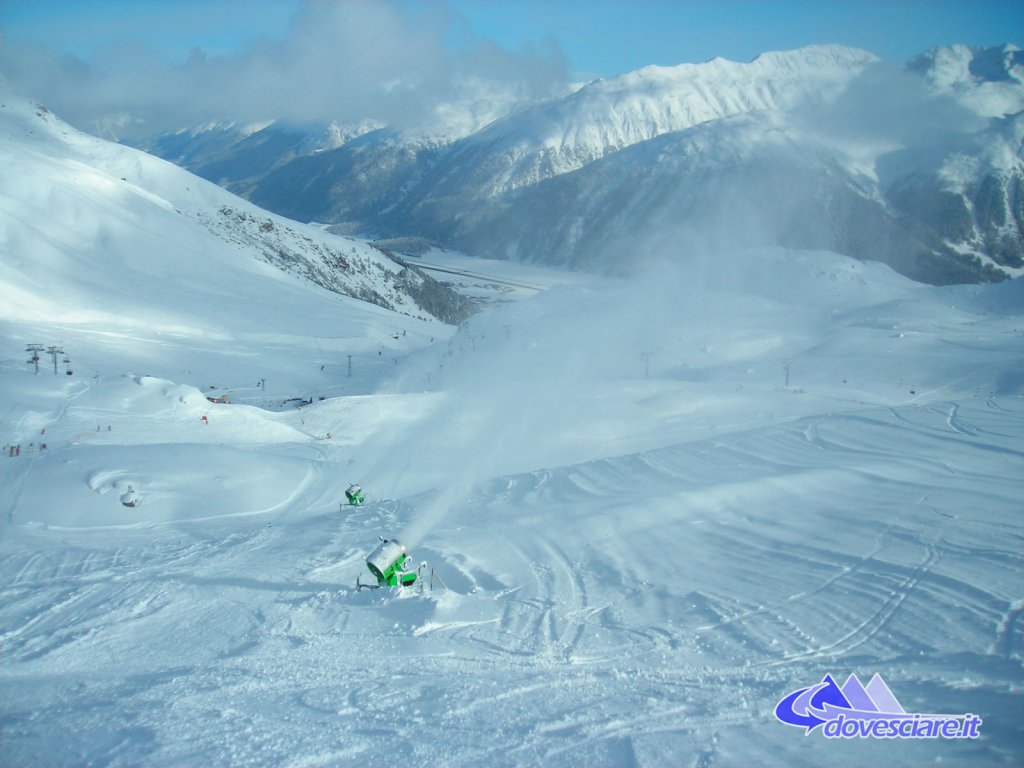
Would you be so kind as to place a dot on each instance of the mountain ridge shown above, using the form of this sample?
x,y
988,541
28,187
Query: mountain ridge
x,y
950,213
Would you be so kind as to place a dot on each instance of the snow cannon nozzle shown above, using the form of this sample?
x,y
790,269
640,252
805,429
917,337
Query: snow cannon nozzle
x,y
355,495
389,564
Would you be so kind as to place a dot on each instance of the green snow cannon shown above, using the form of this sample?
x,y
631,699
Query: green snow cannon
x,y
389,563
354,494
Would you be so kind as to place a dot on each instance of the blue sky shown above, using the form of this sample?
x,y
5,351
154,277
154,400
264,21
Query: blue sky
x,y
150,64
608,38
597,37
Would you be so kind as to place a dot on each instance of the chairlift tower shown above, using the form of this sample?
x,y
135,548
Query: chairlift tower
x,y
34,350
53,352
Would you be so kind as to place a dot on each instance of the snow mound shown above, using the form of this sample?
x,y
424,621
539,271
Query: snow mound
x,y
168,484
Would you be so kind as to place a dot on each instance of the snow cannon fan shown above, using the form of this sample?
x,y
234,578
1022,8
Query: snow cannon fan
x,y
355,496
389,563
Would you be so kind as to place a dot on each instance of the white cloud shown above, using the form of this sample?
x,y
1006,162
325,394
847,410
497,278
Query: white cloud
x,y
349,60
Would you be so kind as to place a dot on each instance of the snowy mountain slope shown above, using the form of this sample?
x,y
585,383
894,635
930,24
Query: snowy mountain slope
x,y
91,200
605,116
236,156
928,157
968,199
564,134
239,156
746,181
659,506
740,181
829,184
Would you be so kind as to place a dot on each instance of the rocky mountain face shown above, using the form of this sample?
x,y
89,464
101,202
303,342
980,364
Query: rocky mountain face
x,y
824,147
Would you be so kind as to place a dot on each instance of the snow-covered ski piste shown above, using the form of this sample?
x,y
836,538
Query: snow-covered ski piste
x,y
655,508
728,539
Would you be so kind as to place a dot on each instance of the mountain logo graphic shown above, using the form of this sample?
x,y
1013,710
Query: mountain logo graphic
x,y
854,710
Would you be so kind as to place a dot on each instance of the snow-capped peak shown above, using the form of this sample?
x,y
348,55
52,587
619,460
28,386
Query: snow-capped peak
x,y
562,135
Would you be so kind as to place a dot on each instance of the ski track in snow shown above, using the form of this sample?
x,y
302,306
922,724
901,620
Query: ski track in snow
x,y
558,658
